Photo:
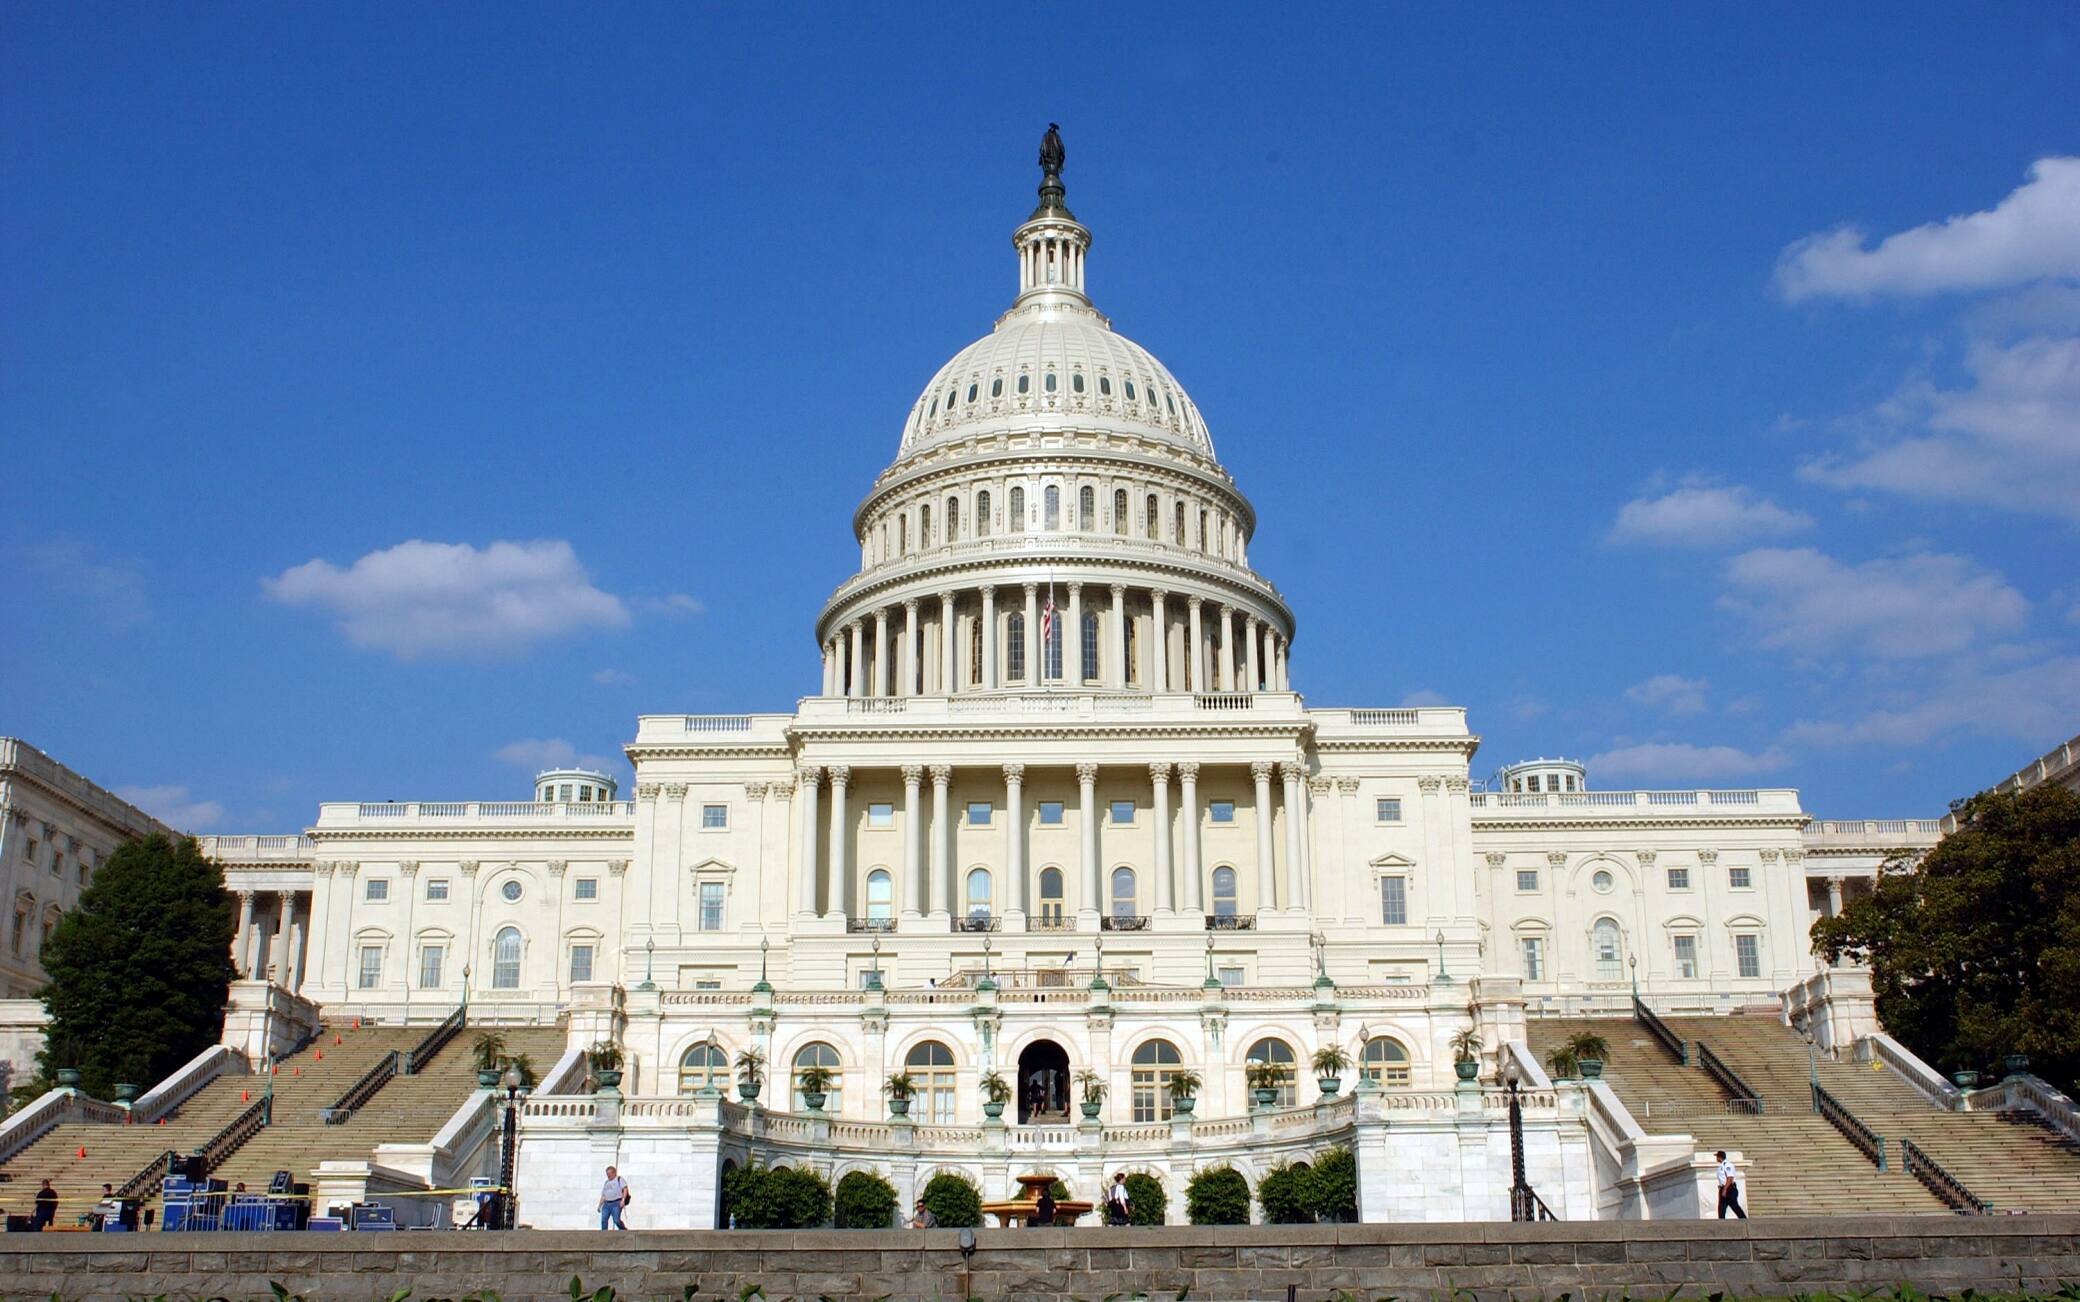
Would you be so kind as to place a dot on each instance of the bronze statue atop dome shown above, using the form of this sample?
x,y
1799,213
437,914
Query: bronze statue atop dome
x,y
1051,152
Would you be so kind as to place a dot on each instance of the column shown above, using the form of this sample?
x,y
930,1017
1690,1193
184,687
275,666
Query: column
x,y
1290,771
1159,773
284,920
1118,640
1158,644
948,677
1226,682
1188,810
1267,866
806,778
1303,899
879,686
917,890
1279,646
943,897
857,631
841,845
828,656
989,638
1251,679
1032,634
242,944
1195,659
1834,897
1015,834
299,941
1073,668
1087,806
908,666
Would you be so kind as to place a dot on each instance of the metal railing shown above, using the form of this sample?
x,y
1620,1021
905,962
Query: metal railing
x,y
976,922
1526,1205
1230,922
1659,1029
1123,922
436,1039
362,1090
1742,1095
870,924
153,1170
236,1132
1940,1182
1853,1129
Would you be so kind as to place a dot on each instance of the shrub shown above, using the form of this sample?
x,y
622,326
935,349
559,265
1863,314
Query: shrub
x,y
1217,1195
1145,1201
1332,1186
864,1202
952,1201
776,1198
1282,1193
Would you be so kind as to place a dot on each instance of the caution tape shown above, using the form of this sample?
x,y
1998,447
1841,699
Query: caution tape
x,y
96,1200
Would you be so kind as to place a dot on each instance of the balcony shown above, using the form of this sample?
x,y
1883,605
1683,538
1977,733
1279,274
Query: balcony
x,y
977,922
1051,922
1123,922
1230,922
883,926
1592,805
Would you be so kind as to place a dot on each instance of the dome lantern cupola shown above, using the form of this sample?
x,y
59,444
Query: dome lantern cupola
x,y
1052,243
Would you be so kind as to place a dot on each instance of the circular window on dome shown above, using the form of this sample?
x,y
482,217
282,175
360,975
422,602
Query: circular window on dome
x,y
1601,881
511,892
1025,382
996,387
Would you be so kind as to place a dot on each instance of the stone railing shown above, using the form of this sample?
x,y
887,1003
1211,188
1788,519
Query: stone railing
x,y
2027,1093
1924,1079
181,1086
1593,804
1874,833
55,1108
1067,705
346,814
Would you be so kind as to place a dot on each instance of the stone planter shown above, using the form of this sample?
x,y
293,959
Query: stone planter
x,y
1966,1080
68,1078
2015,1064
1183,1105
1329,1086
126,1093
747,1090
608,1078
1590,1068
899,1107
1264,1098
992,1109
813,1100
487,1080
1090,1110
1467,1068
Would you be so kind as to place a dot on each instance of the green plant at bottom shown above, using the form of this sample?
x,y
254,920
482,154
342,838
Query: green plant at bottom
x,y
863,1202
1145,1200
1282,1193
1217,1195
1332,1186
952,1201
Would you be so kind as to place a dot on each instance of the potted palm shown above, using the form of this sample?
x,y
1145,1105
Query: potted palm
x,y
996,1092
751,1073
1184,1091
1466,1053
489,1052
814,1082
1093,1087
1589,1050
900,1086
1265,1079
605,1058
1330,1062
1560,1061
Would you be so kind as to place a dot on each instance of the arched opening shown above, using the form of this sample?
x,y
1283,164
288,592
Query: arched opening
x,y
703,1065
1154,1064
880,895
722,1207
1043,1084
1277,1053
1384,1062
982,514
505,960
1051,897
1609,952
822,1055
931,1069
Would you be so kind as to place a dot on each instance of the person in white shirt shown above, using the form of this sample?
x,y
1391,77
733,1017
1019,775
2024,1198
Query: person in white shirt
x,y
1729,1188
613,1196
1116,1199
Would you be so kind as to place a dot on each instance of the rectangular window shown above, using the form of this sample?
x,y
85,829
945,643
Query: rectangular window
x,y
1686,957
1527,879
1015,651
708,984
585,888
33,852
881,814
1122,813
581,963
1679,879
1747,955
430,967
563,793
1050,813
1534,958
1393,901
371,976
376,889
1220,811
714,817
436,888
1231,977
711,906
978,813
1387,809
1737,877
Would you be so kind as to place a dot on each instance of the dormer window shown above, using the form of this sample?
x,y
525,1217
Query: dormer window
x,y
1048,382
996,387
1104,386
1076,382
1025,382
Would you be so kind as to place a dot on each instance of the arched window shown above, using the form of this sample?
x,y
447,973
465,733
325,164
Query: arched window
x,y
1087,508
1051,509
978,893
1016,520
982,514
820,1055
931,1070
881,891
1090,644
1015,646
1202,530
1180,524
1133,651
1603,939
903,535
1047,381
1123,903
1051,654
705,1064
1280,1054
974,652
1384,1062
505,959
1155,519
1154,1064
1051,896
924,525
953,519
1224,892
1025,382
1119,511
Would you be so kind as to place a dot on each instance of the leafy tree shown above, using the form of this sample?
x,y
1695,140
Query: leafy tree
x,y
1975,951
952,1201
1332,1186
1145,1201
139,971
864,1202
1282,1193
1217,1195
776,1198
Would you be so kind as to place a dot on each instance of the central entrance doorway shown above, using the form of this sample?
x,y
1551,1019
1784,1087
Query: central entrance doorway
x,y
1043,1084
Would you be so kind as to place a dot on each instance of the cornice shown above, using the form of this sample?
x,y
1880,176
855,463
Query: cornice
x,y
467,833
1290,731
1455,742
900,479
1513,823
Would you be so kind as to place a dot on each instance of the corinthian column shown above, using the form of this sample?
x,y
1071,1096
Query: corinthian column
x,y
841,845
1032,639
879,686
1227,670
906,667
948,666
1015,833
1188,802
916,889
1195,650
1087,806
989,638
942,779
807,776
1295,829
858,634
1159,774
1117,643
1251,681
1158,644
1267,866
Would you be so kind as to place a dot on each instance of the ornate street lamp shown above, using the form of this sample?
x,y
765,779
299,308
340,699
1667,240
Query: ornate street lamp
x,y
509,1151
874,973
1523,1203
1444,978
649,964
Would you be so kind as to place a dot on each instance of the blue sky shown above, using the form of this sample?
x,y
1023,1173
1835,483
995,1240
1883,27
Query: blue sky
x,y
392,397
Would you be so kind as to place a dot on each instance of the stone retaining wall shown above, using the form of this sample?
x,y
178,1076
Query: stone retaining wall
x,y
1648,1259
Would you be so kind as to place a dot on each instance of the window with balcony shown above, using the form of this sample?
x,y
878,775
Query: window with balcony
x,y
1051,897
1224,892
978,895
881,896
1124,904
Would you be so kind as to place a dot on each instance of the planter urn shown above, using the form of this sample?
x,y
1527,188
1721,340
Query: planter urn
x,y
899,1107
1330,1085
747,1090
813,1100
992,1109
68,1078
1468,1068
1090,1109
608,1077
487,1080
1590,1068
1183,1105
126,1093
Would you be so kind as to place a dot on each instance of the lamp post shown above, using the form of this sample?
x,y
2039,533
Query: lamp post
x,y
1211,981
509,1150
649,964
1812,1064
874,973
1444,978
1632,960
1522,1202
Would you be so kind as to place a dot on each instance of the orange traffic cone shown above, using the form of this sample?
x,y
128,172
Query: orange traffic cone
x,y
296,1071
335,1034
321,1055
245,1096
82,1150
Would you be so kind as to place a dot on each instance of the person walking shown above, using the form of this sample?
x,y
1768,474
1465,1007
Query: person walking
x,y
46,1206
613,1197
1729,1188
1116,1200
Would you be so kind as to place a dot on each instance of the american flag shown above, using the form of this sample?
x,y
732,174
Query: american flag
x,y
1047,620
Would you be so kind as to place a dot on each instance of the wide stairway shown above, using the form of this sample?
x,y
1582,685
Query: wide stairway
x,y
2006,1159
1798,1163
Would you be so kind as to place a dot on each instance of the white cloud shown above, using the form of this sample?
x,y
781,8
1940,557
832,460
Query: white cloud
x,y
533,754
1424,696
613,678
1666,763
1527,708
174,807
677,603
427,599
2032,704
112,590
1671,694
1918,606
1704,515
2033,234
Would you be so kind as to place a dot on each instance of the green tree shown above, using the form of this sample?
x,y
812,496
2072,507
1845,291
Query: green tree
x,y
1145,1202
776,1198
864,1202
952,1201
1332,1186
1975,951
1217,1195
139,970
1282,1193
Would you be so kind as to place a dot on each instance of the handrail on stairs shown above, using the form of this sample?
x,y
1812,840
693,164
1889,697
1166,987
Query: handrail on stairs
x,y
1940,1182
1661,1031
153,1170
249,1122
436,1039
1852,1127
1742,1095
362,1090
